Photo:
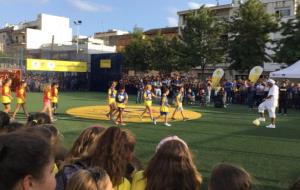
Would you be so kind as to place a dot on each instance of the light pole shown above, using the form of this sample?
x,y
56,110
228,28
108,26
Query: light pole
x,y
77,23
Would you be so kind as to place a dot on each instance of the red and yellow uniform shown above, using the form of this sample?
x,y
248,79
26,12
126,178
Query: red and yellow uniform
x,y
47,97
54,94
6,95
21,95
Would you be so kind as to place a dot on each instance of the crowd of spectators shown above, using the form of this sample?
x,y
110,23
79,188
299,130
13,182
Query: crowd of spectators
x,y
36,81
32,157
202,93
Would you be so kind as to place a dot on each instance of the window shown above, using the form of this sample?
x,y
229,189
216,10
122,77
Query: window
x,y
283,12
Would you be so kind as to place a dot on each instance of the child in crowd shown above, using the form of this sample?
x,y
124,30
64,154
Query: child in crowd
x,y
54,95
112,151
111,99
26,162
122,100
47,101
148,94
171,167
38,119
164,107
179,107
21,99
229,177
6,95
4,120
90,179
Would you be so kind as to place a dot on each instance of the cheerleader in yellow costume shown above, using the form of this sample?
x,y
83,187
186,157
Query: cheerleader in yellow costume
x,y
164,107
6,95
179,107
54,94
148,102
21,99
122,100
111,99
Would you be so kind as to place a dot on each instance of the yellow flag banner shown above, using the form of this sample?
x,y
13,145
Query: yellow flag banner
x,y
216,77
255,73
56,65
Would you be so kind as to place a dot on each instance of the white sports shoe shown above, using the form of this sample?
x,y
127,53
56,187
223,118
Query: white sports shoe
x,y
154,121
262,119
168,124
271,126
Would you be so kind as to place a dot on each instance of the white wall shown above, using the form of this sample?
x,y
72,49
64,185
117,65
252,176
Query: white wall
x,y
50,25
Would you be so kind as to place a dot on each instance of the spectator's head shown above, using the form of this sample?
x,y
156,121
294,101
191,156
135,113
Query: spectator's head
x,y
296,185
38,119
26,162
172,167
4,119
90,179
84,143
229,177
14,126
112,152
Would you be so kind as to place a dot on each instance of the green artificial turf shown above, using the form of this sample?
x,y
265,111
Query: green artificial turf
x,y
272,156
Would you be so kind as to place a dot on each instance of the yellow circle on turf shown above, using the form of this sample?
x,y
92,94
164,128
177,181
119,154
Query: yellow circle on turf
x,y
131,114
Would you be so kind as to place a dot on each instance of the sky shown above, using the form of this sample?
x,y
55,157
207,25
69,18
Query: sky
x,y
101,15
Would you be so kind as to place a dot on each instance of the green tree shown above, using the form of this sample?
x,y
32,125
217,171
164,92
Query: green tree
x,y
201,40
137,53
163,56
288,48
248,35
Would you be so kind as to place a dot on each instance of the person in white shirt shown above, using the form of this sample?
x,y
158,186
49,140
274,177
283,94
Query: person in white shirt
x,y
270,103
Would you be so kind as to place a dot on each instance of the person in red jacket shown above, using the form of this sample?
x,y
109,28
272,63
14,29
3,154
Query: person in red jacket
x,y
21,99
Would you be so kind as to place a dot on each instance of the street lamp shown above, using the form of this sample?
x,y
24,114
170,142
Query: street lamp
x,y
77,23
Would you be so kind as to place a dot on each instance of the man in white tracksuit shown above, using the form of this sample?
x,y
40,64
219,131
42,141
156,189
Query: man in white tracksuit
x,y
270,103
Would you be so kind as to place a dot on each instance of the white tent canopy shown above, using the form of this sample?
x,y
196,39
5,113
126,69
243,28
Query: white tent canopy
x,y
291,72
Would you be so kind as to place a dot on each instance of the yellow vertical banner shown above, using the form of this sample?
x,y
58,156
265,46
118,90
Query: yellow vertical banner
x,y
255,73
216,77
55,65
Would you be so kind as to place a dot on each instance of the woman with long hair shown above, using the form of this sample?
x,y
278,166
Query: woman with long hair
x,y
171,167
113,151
83,143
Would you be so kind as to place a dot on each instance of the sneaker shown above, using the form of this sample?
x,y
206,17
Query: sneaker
x,y
154,121
12,119
53,119
168,124
271,126
262,119
123,124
